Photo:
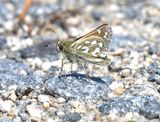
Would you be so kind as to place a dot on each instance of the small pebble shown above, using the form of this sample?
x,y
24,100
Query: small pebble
x,y
152,50
24,116
34,112
10,6
6,106
9,25
73,21
75,104
115,85
61,100
118,52
46,66
50,120
23,72
73,31
56,119
111,117
129,117
111,95
117,29
80,108
28,19
115,66
119,90
28,42
37,62
46,105
125,72
17,119
43,98
13,97
60,113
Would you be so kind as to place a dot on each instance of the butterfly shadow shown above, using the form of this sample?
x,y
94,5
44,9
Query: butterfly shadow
x,y
82,76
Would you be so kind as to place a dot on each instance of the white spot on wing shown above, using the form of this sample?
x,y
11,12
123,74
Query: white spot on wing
x,y
87,42
105,35
93,42
79,47
103,54
85,49
94,53
99,31
100,44
97,50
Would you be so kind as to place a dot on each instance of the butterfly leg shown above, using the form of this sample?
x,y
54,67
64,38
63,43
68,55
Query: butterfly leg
x,y
84,67
71,66
62,64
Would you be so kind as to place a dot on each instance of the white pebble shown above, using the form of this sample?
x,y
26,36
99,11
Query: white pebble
x,y
115,85
23,72
46,66
9,25
93,42
61,100
34,112
37,62
6,106
43,98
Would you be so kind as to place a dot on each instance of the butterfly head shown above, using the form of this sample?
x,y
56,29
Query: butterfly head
x,y
60,46
63,45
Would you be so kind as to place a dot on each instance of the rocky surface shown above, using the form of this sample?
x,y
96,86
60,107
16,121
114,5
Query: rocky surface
x,y
32,87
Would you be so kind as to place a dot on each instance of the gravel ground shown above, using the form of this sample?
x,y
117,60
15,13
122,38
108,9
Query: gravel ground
x,y
128,89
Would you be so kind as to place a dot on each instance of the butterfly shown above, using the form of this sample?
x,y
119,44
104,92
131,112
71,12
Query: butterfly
x,y
89,48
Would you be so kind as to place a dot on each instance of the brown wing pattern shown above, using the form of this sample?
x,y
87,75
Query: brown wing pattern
x,y
92,46
104,31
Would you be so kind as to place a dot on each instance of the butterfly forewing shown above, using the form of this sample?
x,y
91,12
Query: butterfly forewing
x,y
92,46
104,31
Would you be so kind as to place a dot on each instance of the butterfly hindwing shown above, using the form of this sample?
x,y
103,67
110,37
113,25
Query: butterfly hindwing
x,y
91,48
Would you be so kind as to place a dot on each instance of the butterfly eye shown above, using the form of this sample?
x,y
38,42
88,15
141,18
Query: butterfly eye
x,y
60,47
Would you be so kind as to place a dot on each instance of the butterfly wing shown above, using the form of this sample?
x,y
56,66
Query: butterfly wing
x,y
104,31
92,46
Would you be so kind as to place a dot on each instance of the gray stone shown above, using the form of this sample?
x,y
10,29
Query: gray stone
x,y
77,86
48,47
152,50
6,119
147,106
97,15
71,117
22,91
3,42
154,68
141,99
10,75
154,78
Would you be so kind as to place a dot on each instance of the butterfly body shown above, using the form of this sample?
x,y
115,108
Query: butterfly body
x,y
90,48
